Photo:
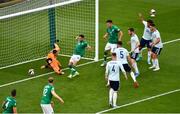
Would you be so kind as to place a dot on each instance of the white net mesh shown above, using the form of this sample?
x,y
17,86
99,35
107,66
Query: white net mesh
x,y
27,36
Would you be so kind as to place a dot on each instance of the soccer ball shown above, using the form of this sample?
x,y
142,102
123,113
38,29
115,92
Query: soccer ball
x,y
152,12
31,72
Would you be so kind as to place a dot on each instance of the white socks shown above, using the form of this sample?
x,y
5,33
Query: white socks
x,y
133,77
112,97
111,91
149,56
135,67
156,63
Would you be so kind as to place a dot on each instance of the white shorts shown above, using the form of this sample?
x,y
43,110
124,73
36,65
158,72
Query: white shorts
x,y
111,47
47,109
75,58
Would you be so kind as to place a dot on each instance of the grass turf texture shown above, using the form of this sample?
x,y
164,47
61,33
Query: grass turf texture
x,y
87,93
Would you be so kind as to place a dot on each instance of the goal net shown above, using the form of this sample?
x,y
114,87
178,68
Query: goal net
x,y
29,29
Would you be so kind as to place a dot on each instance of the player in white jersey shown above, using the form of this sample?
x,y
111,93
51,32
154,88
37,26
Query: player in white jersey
x,y
123,56
134,41
157,46
147,37
112,74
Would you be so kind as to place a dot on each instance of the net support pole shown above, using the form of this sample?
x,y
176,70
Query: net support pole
x,y
96,30
52,25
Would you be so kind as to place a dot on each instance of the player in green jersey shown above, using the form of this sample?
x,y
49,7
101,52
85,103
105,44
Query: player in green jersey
x,y
79,52
114,34
46,100
9,105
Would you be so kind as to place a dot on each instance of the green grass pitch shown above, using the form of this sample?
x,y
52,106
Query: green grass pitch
x,y
87,93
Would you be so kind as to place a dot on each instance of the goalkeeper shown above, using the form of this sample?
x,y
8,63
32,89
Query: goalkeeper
x,y
79,52
52,61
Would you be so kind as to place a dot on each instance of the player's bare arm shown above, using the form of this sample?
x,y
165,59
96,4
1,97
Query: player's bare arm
x,y
120,35
155,42
105,35
57,96
14,110
141,17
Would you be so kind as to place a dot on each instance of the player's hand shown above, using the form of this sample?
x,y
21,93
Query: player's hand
x,y
62,101
52,103
106,78
136,84
139,14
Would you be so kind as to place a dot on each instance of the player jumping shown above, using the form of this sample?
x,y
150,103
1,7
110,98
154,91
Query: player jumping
x,y
79,52
52,61
114,34
112,75
48,92
9,105
146,38
134,41
123,56
157,46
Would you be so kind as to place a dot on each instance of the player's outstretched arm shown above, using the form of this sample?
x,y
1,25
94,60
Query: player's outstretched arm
x,y
120,35
57,96
141,17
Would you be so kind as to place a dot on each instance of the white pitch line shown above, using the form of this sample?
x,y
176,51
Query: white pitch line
x,y
23,80
139,101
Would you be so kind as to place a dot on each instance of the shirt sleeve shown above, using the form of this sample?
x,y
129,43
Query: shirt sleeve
x,y
85,44
14,105
52,89
145,23
127,53
117,29
157,35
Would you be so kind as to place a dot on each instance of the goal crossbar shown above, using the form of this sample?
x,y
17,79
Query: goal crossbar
x,y
38,9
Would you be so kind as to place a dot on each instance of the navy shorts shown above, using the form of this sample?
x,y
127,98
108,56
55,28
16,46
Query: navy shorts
x,y
144,43
134,55
114,85
156,50
127,68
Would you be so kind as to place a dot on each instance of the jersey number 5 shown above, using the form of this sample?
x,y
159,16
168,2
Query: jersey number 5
x,y
121,54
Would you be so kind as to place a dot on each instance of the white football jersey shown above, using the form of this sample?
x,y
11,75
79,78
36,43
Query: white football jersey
x,y
156,35
134,41
113,70
147,35
122,55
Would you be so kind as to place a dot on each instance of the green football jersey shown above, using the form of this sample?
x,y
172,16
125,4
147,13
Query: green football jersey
x,y
80,48
10,102
47,95
113,34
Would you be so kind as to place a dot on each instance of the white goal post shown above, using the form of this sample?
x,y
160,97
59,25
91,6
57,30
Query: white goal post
x,y
23,41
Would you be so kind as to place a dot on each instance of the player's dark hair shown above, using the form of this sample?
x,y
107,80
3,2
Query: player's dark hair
x,y
109,21
47,60
153,25
50,79
131,29
150,21
81,35
54,51
114,54
119,43
13,92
